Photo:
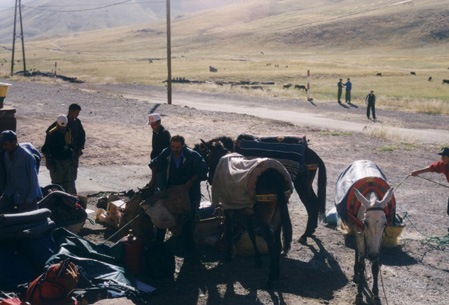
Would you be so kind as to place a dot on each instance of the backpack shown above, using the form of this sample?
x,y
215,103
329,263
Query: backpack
x,y
54,285
34,152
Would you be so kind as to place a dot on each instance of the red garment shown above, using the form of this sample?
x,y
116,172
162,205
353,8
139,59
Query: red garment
x,y
440,167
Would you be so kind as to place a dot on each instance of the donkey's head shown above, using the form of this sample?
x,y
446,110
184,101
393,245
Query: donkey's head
x,y
216,151
373,217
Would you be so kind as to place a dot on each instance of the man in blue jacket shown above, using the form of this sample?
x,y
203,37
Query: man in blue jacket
x,y
181,165
22,191
348,86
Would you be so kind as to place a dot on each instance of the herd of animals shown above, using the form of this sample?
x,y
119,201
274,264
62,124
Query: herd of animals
x,y
271,190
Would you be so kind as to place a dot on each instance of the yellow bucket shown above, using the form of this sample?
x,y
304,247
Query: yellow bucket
x,y
4,89
390,238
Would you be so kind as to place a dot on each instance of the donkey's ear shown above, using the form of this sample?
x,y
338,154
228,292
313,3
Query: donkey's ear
x,y
361,198
387,197
204,144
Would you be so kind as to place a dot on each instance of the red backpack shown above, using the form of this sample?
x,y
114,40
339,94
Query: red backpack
x,y
54,285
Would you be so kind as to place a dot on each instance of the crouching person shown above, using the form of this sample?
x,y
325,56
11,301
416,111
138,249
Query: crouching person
x,y
181,165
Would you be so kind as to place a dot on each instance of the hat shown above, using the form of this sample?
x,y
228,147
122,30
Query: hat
x,y
62,120
153,118
444,151
7,135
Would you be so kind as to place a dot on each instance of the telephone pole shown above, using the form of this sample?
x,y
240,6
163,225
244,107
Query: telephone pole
x,y
168,54
18,5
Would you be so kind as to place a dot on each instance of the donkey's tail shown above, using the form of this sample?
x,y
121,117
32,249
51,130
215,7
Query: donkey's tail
x,y
287,231
321,190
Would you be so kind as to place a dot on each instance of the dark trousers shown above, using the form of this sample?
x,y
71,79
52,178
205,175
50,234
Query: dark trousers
x,y
348,97
370,107
339,96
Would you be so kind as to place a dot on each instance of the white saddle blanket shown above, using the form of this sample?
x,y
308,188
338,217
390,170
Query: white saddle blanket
x,y
234,184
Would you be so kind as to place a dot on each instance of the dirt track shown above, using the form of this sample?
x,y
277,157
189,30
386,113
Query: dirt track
x,y
117,152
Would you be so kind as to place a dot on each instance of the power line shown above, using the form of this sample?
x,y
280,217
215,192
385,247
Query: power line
x,y
96,6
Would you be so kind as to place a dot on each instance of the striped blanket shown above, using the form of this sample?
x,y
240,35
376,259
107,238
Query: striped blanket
x,y
236,177
289,150
365,176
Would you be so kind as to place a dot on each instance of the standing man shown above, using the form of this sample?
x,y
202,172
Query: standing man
x,y
22,190
59,155
181,165
78,135
441,167
370,101
159,141
340,90
348,86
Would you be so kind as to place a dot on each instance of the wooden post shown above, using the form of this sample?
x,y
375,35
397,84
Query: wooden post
x,y
169,87
309,98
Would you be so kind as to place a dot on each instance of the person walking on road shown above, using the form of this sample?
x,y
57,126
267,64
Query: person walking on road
x,y
370,101
348,86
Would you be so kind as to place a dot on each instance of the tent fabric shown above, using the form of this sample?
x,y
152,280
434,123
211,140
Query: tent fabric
x,y
22,260
289,150
367,177
100,262
235,180
100,265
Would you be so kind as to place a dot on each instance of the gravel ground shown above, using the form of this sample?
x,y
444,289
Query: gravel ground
x,y
117,152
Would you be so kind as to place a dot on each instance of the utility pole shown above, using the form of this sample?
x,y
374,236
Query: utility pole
x,y
168,54
18,5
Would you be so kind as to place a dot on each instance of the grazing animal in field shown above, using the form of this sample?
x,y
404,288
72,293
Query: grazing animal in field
x,y
286,86
413,73
379,74
303,175
299,87
258,189
445,81
430,78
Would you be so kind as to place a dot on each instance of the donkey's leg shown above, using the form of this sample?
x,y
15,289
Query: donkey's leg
x,y
274,258
375,270
252,237
229,220
310,201
360,266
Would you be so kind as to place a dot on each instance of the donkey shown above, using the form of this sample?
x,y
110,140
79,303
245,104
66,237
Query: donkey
x,y
266,205
368,227
315,203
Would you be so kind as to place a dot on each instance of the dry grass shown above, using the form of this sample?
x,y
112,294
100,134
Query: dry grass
x,y
260,41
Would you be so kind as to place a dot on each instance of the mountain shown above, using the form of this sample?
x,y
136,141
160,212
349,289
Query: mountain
x,y
47,18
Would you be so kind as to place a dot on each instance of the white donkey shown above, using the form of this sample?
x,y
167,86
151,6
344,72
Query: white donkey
x,y
368,228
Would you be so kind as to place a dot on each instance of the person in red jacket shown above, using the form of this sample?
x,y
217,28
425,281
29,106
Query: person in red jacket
x,y
441,167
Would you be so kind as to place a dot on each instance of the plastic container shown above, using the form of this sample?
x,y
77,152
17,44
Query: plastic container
x,y
3,90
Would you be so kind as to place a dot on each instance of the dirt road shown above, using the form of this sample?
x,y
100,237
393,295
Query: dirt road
x,y
117,152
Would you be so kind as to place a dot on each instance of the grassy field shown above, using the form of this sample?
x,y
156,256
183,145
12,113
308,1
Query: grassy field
x,y
261,48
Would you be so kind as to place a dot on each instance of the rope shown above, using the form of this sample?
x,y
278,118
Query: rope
x,y
400,183
383,286
444,185
120,230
